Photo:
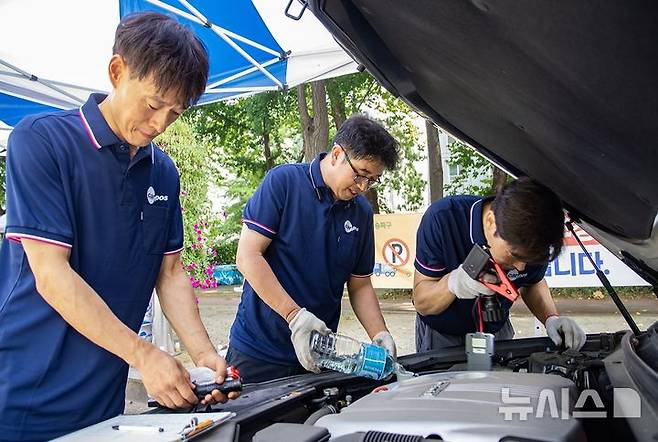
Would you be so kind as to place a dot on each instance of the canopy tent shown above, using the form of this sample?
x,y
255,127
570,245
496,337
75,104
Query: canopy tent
x,y
14,108
55,53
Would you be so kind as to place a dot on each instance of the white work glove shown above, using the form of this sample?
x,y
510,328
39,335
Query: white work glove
x,y
385,340
301,327
465,287
558,326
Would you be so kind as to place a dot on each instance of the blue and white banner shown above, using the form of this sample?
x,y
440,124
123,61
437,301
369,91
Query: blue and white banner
x,y
395,251
574,269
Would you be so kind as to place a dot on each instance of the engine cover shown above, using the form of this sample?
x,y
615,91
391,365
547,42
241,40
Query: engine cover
x,y
467,406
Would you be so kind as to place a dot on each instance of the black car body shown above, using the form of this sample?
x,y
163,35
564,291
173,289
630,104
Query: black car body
x,y
561,91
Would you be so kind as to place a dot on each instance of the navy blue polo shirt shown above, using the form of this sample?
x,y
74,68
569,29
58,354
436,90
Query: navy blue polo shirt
x,y
318,243
449,229
71,183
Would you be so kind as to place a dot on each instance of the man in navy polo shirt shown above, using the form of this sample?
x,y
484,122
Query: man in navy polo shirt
x,y
94,223
308,231
523,228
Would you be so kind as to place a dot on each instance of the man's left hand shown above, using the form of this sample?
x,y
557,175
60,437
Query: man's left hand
x,y
217,363
384,339
559,326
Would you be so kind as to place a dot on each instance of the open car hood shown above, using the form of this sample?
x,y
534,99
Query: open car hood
x,y
563,92
559,91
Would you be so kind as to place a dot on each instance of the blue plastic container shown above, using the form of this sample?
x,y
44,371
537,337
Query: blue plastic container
x,y
227,274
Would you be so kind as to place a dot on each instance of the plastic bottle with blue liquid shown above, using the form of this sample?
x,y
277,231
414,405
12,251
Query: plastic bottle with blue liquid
x,y
346,355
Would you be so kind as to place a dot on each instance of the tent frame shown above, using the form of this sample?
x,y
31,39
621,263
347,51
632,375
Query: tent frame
x,y
64,99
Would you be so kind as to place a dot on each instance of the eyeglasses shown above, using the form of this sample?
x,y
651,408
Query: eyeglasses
x,y
358,178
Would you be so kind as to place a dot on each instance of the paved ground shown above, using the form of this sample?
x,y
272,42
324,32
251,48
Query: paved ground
x,y
218,311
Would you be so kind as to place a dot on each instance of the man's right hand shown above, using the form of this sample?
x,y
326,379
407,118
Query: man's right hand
x,y
301,327
165,378
463,286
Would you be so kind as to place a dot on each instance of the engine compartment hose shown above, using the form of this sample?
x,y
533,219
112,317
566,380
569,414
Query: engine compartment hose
x,y
316,415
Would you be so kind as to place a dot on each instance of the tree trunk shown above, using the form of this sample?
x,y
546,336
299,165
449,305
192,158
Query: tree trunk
x,y
320,136
337,111
373,199
434,161
499,179
304,118
315,129
269,161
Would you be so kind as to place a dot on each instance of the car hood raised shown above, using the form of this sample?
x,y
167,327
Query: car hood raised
x,y
564,92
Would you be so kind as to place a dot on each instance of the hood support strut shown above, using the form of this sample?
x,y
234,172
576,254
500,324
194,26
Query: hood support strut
x,y
606,283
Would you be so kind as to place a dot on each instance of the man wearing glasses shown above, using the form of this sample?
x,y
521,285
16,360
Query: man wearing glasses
x,y
307,232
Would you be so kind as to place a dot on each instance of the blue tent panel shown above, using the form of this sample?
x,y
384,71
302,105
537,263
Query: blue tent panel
x,y
241,18
13,109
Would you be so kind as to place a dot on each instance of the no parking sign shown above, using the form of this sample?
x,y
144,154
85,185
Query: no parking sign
x,y
395,250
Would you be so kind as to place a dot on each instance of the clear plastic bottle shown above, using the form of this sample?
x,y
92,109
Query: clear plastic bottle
x,y
347,355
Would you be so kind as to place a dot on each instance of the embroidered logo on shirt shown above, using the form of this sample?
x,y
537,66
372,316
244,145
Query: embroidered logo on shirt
x,y
514,274
151,197
349,228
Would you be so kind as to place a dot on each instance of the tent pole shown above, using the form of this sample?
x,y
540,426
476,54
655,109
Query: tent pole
x,y
241,74
233,35
56,83
242,89
230,42
43,82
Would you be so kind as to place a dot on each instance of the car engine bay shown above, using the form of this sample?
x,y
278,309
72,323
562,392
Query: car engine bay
x,y
534,392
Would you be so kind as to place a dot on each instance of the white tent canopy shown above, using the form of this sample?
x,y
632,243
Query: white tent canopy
x,y
54,53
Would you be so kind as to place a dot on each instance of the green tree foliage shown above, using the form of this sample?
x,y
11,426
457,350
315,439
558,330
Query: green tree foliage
x,y
350,94
191,158
406,181
477,175
475,171
248,136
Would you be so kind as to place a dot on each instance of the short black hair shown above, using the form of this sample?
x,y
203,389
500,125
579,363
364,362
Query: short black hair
x,y
529,216
156,44
364,137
